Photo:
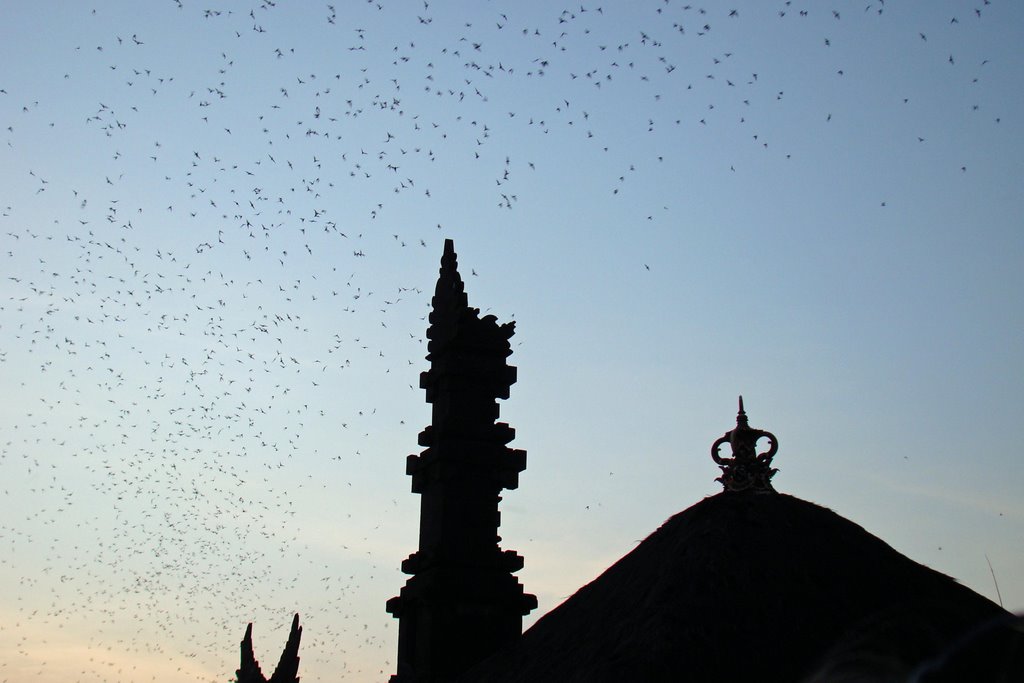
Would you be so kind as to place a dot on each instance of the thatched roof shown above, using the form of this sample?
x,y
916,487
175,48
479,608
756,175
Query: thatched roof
x,y
739,587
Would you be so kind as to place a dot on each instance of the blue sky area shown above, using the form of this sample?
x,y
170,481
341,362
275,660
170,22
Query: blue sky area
x,y
220,227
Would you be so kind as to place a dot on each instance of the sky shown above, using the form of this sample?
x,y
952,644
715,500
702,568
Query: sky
x,y
221,224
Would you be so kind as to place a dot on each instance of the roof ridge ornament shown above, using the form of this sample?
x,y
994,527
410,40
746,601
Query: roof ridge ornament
x,y
746,470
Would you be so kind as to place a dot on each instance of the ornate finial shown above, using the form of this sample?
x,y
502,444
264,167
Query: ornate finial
x,y
746,470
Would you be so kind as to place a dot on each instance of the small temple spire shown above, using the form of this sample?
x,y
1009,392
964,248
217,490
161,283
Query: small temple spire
x,y
287,670
746,470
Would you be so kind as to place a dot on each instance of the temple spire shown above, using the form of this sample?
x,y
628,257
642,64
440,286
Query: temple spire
x,y
287,670
450,299
462,602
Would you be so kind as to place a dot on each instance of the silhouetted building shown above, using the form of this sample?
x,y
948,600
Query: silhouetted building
x,y
463,602
753,585
746,585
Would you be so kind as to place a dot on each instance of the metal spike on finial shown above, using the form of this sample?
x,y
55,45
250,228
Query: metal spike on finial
x,y
746,470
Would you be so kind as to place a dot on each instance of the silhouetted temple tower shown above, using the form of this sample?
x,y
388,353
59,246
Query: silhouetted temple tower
x,y
462,602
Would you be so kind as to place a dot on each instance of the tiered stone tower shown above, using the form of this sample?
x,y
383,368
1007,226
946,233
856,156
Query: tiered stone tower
x,y
462,602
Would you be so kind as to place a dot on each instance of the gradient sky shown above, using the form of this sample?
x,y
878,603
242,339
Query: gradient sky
x,y
220,226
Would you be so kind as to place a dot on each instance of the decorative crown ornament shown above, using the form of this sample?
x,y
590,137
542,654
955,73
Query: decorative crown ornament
x,y
746,470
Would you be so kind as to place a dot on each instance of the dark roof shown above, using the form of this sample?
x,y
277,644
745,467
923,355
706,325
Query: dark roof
x,y
740,586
